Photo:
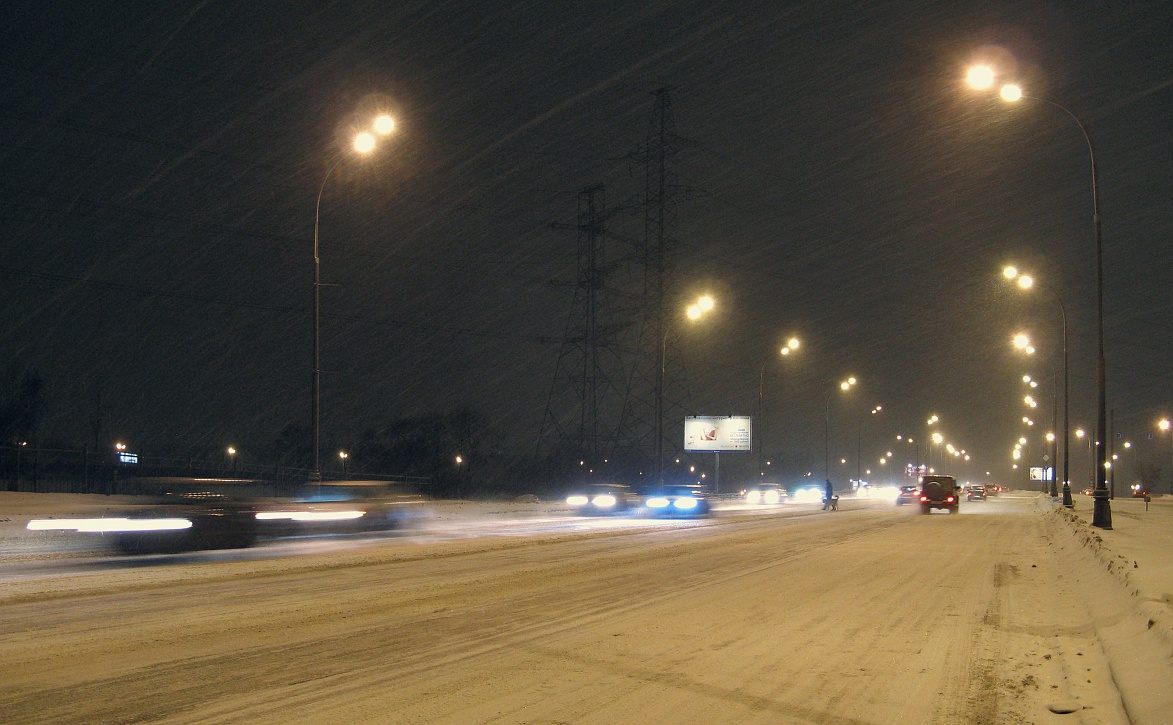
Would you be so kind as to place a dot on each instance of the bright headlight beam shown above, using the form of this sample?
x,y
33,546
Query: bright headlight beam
x,y
309,515
109,525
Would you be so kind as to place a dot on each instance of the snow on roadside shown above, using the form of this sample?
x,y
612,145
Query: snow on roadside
x,y
1137,553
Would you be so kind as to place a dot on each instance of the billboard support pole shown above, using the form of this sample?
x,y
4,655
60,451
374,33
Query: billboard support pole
x,y
717,472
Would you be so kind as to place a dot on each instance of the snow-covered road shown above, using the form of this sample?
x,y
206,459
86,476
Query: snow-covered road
x,y
872,614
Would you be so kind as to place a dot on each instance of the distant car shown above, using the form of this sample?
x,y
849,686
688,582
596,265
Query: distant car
x,y
938,492
993,490
765,494
683,500
975,493
1088,491
908,494
601,499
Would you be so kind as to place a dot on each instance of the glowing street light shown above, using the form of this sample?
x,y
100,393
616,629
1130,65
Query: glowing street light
x,y
983,77
1165,426
364,142
791,345
695,311
844,386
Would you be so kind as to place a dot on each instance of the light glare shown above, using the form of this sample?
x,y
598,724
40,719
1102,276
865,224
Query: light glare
x,y
980,77
364,142
384,124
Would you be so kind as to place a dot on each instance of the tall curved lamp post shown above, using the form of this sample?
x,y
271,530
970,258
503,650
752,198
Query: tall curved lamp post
x,y
698,309
844,386
364,143
1165,426
791,345
983,77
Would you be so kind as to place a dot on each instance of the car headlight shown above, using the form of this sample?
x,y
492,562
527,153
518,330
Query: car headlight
x,y
685,502
577,500
753,496
773,497
604,501
657,502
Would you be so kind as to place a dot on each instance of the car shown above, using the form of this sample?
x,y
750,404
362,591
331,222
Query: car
x,y
765,494
938,492
679,500
176,515
602,499
907,494
975,493
340,507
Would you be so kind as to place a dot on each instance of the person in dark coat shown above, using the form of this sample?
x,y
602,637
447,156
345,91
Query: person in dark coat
x,y
828,495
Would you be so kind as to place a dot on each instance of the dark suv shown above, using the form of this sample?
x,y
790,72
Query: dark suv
x,y
938,492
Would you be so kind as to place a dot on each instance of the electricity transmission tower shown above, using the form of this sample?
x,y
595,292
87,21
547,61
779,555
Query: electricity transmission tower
x,y
586,396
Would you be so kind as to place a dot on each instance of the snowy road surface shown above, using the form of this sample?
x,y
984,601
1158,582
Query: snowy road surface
x,y
872,614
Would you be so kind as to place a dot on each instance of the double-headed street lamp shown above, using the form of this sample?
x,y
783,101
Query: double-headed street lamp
x,y
1165,426
791,345
364,142
983,77
844,386
695,311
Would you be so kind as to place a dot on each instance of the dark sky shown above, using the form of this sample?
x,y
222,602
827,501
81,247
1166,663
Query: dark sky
x,y
160,162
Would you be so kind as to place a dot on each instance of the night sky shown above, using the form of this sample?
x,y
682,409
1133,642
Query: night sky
x,y
160,162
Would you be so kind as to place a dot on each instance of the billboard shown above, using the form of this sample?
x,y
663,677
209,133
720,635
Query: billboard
x,y
717,433
1038,473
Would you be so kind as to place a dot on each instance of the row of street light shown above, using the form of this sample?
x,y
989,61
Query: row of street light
x,y
984,77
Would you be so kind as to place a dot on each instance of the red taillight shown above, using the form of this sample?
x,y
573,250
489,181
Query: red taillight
x,y
924,499
949,500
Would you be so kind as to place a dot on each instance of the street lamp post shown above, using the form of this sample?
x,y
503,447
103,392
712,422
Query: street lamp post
x,y
694,312
790,346
364,143
844,386
982,77
1166,426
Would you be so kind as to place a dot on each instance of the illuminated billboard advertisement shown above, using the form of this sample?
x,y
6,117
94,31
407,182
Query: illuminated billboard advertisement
x,y
1038,473
717,433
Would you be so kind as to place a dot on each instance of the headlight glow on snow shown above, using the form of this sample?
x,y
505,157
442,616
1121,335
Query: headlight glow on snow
x,y
309,515
657,502
576,500
109,525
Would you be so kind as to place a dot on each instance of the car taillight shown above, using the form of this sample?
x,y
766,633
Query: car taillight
x,y
949,500
924,499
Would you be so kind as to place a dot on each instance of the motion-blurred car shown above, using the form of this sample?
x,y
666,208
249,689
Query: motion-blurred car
x,y
600,499
176,515
340,507
975,493
908,494
765,494
682,500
